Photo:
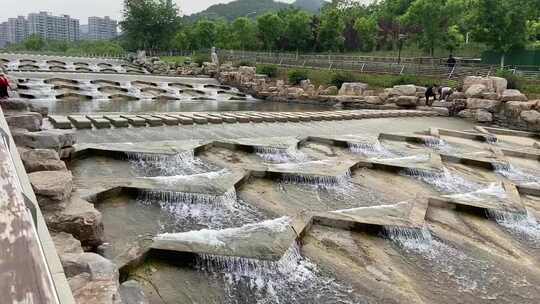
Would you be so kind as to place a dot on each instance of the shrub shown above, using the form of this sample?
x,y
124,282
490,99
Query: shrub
x,y
296,76
337,79
513,81
201,58
245,63
268,70
404,79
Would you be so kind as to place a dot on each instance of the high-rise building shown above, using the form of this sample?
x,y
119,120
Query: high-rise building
x,y
3,34
43,24
15,30
51,27
102,28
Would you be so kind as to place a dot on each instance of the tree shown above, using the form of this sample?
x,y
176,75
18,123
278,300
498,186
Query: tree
x,y
454,38
298,31
245,33
331,31
34,43
150,24
367,31
205,33
500,24
270,28
431,18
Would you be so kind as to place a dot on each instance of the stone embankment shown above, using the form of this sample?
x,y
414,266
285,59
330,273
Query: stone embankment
x,y
76,226
482,99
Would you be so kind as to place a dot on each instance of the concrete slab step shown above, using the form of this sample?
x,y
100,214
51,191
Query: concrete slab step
x,y
266,117
99,122
226,118
182,119
277,117
168,120
135,120
60,122
117,121
239,117
151,120
210,118
80,122
195,118
253,118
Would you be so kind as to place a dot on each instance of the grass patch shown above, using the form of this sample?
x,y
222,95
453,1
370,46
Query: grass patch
x,y
375,81
178,60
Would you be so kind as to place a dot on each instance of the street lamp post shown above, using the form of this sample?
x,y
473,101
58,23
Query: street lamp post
x,y
401,38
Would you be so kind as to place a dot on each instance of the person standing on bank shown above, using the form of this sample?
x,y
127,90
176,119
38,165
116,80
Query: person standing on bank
x,y
4,85
451,63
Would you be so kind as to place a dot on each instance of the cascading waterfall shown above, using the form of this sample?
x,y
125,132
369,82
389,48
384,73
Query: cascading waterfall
x,y
154,165
524,225
292,279
372,150
445,181
325,182
279,155
195,209
516,175
441,258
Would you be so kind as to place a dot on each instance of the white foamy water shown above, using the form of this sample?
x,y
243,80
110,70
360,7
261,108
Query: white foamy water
x,y
494,192
523,225
177,165
373,149
217,238
469,274
292,279
279,156
517,175
445,182
188,210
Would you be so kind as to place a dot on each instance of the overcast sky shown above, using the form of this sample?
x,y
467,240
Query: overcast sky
x,y
82,9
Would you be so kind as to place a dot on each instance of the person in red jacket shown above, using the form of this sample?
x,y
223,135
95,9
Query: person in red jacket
x,y
4,85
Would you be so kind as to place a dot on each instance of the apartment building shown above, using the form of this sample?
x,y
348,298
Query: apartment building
x,y
102,28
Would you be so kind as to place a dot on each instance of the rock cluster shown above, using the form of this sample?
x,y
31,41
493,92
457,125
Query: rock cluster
x,y
74,223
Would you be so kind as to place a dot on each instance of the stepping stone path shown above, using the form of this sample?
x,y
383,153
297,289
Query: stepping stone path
x,y
189,118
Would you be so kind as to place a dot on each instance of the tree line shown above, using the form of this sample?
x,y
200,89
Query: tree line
x,y
342,26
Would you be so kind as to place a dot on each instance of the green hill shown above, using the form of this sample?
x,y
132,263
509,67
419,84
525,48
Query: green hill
x,y
313,6
239,8
252,8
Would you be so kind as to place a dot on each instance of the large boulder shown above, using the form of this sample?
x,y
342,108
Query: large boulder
x,y
479,115
48,139
42,160
407,101
352,89
483,104
499,84
375,100
52,188
512,109
132,293
15,104
404,90
513,95
30,121
531,117
476,91
455,96
92,278
65,243
80,219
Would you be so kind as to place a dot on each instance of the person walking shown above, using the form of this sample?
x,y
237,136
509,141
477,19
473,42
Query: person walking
x,y
4,85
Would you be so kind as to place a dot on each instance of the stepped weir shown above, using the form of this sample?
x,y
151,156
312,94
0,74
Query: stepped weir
x,y
189,191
